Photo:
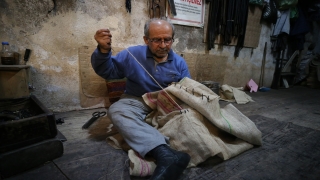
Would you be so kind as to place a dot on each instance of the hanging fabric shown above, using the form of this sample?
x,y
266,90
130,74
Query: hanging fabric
x,y
128,5
172,7
227,18
214,19
280,32
243,14
270,12
229,21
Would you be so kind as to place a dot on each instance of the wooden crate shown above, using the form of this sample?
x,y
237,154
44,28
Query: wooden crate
x,y
39,125
14,81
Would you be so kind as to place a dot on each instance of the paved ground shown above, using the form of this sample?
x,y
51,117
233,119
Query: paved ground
x,y
293,109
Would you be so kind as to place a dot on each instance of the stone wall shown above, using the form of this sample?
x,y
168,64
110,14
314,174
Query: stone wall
x,y
55,30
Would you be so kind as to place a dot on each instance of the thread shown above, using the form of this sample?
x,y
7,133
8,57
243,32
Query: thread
x,y
154,79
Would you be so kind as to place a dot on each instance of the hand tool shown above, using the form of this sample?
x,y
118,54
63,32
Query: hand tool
x,y
96,115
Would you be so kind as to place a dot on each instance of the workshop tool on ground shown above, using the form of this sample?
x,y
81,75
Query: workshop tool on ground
x,y
60,121
96,115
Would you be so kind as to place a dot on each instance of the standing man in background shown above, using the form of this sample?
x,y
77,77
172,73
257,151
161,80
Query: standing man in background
x,y
128,114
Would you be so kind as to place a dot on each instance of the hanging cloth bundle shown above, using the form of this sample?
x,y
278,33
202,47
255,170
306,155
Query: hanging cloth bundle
x,y
227,18
215,15
228,33
243,17
237,19
270,12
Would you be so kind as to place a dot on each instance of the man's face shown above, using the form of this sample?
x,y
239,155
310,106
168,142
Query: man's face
x,y
160,39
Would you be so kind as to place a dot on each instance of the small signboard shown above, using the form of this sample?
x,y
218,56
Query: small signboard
x,y
188,12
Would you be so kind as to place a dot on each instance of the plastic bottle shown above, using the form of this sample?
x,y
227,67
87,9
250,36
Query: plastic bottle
x,y
7,56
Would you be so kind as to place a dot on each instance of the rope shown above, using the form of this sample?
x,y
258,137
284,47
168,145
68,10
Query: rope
x,y
154,79
168,93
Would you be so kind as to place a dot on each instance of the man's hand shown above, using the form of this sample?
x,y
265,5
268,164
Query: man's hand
x,y
103,38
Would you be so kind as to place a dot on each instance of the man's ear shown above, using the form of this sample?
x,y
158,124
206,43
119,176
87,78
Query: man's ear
x,y
146,40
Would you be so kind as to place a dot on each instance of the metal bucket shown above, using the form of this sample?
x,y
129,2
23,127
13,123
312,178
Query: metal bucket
x,y
214,86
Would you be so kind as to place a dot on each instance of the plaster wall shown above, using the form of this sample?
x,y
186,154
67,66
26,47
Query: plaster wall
x,y
54,30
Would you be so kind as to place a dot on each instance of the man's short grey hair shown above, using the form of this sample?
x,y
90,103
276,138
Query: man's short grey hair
x,y
147,26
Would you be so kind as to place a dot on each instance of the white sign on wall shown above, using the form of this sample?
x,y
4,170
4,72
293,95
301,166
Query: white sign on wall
x,y
189,12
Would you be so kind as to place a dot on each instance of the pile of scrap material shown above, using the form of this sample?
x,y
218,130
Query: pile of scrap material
x,y
234,94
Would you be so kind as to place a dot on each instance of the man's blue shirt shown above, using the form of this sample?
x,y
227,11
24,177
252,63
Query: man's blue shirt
x,y
123,65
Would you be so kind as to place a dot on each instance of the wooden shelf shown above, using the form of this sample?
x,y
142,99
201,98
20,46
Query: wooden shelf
x,y
13,67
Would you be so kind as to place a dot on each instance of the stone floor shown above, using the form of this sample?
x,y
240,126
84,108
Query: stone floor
x,y
84,158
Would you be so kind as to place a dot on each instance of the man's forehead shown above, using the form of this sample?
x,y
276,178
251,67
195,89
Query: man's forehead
x,y
159,23
160,27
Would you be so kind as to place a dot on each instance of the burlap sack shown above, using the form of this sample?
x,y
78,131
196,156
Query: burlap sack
x,y
233,94
228,119
190,115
